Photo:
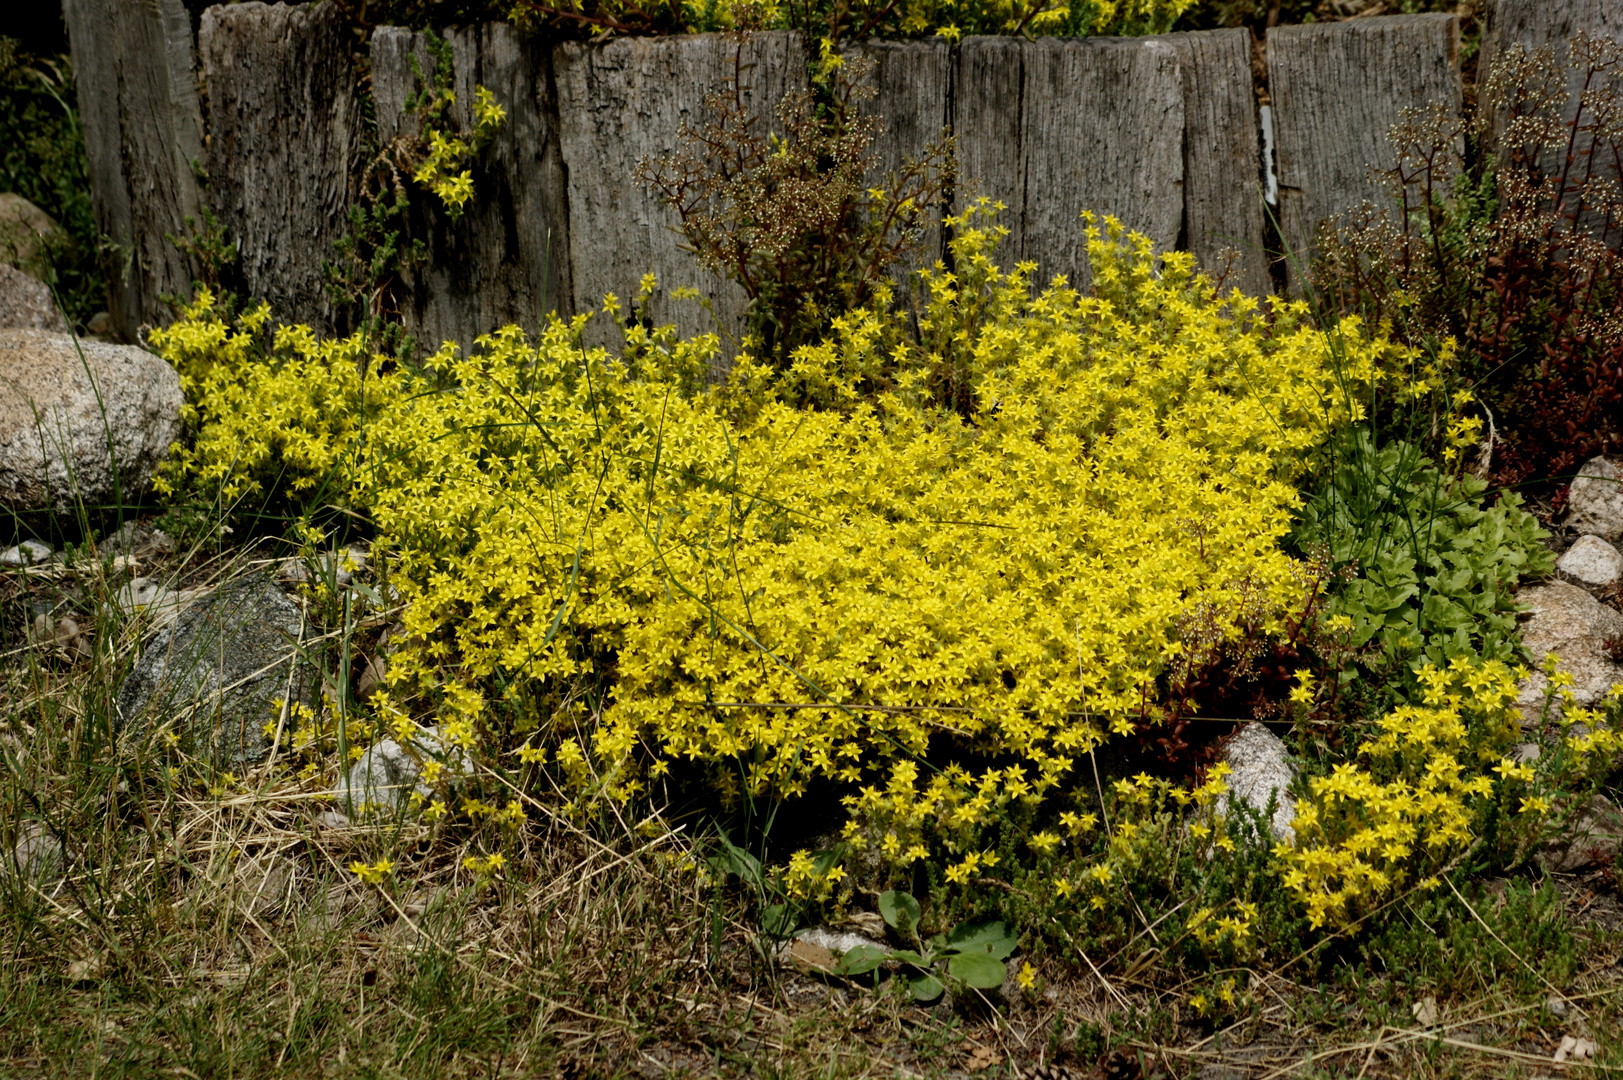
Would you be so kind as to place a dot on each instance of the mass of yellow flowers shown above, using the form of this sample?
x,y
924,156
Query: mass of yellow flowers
x,y
1415,799
982,537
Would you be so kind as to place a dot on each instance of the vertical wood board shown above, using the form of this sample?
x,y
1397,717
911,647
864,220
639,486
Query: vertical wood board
x,y
1531,25
1225,223
1337,89
95,76
1055,127
625,101
912,83
284,124
138,92
506,259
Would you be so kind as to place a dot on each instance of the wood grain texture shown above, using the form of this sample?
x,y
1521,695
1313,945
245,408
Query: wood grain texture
x,y
137,91
1337,90
1533,24
284,127
912,81
1054,127
624,101
1536,24
506,259
1224,213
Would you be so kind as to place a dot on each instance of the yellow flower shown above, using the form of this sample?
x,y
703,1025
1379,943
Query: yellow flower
x,y
1027,977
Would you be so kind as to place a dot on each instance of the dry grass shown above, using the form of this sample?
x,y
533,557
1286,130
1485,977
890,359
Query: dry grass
x,y
203,928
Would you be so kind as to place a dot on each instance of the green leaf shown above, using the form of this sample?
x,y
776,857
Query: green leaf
x,y
861,960
977,969
735,861
925,987
990,936
899,910
777,920
908,956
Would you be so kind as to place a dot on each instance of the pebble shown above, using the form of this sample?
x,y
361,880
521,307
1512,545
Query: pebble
x,y
27,553
1592,561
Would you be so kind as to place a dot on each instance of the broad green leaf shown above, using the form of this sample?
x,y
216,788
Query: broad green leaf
x,y
977,969
990,936
925,987
861,960
908,956
900,910
777,920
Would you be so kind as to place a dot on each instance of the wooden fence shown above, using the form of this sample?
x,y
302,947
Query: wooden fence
x,y
259,116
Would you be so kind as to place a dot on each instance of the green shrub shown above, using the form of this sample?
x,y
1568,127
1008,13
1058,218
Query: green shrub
x,y
1428,567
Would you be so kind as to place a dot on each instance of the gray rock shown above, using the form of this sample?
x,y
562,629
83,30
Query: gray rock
x,y
261,882
38,855
1573,625
27,234
335,566
1595,500
26,303
1592,839
1592,561
219,669
62,431
27,553
1261,768
385,776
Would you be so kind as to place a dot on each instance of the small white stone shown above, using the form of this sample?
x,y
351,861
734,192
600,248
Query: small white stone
x,y
837,942
27,553
387,773
1261,767
1592,561
1595,500
339,567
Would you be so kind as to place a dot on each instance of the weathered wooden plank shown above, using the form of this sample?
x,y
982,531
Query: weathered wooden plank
x,y
283,124
625,101
506,260
1224,212
143,134
1533,24
912,82
1055,127
1337,89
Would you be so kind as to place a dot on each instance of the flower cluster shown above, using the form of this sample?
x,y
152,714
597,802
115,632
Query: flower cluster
x,y
976,537
1419,794
444,169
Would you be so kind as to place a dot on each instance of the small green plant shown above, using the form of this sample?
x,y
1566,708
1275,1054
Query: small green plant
x,y
1425,566
445,153
972,953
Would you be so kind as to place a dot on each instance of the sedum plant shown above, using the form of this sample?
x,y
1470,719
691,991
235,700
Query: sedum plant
x,y
981,543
